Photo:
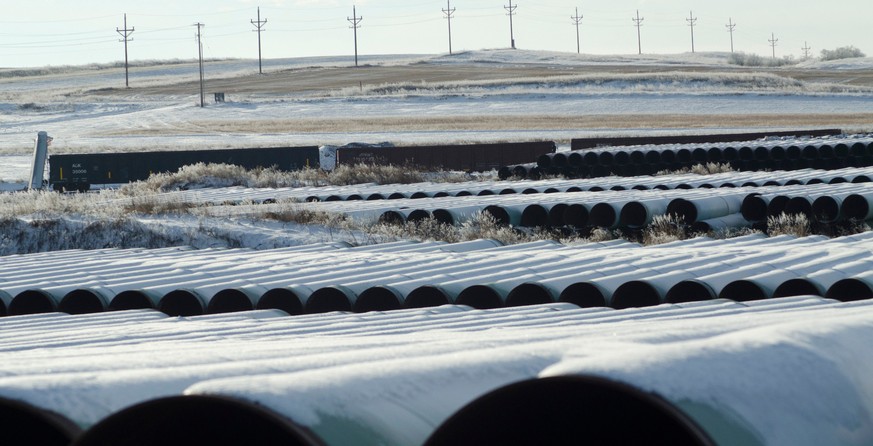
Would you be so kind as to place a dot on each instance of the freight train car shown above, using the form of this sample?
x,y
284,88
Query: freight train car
x,y
466,157
80,171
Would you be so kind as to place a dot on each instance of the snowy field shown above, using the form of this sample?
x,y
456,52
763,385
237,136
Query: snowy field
x,y
482,96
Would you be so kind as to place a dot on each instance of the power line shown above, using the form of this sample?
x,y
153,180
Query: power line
x,y
125,34
731,26
356,23
577,20
638,22
259,24
449,13
691,22
200,54
773,41
806,50
511,12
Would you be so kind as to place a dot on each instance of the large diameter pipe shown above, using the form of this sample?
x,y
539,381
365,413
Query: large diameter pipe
x,y
554,410
24,424
813,358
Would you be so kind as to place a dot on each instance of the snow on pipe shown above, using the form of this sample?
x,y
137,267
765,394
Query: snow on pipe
x,y
777,401
857,287
727,222
858,206
637,214
24,424
817,283
586,409
698,209
197,419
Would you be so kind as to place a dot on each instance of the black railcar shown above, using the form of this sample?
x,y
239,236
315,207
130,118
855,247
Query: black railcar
x,y
466,157
80,171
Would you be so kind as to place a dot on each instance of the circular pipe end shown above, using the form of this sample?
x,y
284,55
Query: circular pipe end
x,y
82,301
26,424
182,303
281,299
377,298
635,293
229,301
583,294
328,299
529,294
427,296
32,302
131,300
743,291
848,290
481,297
689,291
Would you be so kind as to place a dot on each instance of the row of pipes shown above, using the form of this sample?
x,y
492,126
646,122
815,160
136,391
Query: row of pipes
x,y
784,371
819,153
480,273
375,192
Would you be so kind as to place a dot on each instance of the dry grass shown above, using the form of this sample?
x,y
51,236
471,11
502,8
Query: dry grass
x,y
700,169
665,229
784,224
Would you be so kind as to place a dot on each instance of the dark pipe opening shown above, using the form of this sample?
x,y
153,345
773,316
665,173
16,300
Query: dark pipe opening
x,y
281,299
333,198
544,160
569,410
661,187
229,301
556,214
551,190
605,158
826,209
729,153
312,199
186,420
617,188
530,191
534,216
603,215
837,180
815,181
793,182
621,157
683,156
529,294
684,209
575,159
377,299
635,293
354,197
327,299
485,192
426,296
181,303
500,215
24,425
762,153
574,189
798,206
743,291
714,154
32,302
689,291
848,290
464,193
441,194
576,215
771,183
798,287
81,301
591,158
130,300
700,227
418,195
652,157
595,189
727,185
809,152
856,206
640,187
633,215
481,297
418,215
582,294
777,204
443,216
396,196
638,157
392,217
861,179
559,159
700,155
374,197
507,191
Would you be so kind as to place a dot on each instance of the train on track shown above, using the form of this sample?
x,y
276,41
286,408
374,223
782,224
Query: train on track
x,y
78,172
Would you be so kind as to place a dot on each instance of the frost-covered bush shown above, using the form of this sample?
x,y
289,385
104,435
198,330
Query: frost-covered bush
x,y
843,52
789,224
754,60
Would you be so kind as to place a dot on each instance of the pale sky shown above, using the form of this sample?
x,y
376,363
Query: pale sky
x,y
56,32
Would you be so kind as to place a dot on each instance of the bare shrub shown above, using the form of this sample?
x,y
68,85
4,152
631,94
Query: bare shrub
x,y
843,52
700,169
598,235
665,229
374,173
789,224
157,204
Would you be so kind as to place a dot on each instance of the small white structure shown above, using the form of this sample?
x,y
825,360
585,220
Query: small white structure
x,y
37,167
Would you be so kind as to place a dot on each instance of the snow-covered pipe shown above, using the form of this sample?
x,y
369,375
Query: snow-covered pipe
x,y
819,282
699,209
763,407
733,221
587,409
857,287
639,213
858,206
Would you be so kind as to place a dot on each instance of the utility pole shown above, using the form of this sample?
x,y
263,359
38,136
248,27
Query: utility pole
x,y
639,23
449,12
577,20
259,24
511,9
773,41
356,23
200,52
806,49
691,21
731,26
125,34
